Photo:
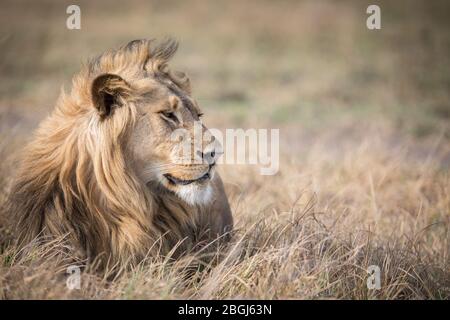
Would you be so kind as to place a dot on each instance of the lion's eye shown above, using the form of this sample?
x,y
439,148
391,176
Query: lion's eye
x,y
169,115
200,115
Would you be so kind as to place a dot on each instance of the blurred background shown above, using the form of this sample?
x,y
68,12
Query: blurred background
x,y
306,66
310,68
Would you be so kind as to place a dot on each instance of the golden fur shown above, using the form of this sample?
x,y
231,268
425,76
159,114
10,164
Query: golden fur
x,y
78,180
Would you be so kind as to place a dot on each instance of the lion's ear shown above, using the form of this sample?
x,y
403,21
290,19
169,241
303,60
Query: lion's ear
x,y
109,91
182,80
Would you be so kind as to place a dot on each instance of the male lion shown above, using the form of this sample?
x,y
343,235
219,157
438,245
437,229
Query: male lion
x,y
102,169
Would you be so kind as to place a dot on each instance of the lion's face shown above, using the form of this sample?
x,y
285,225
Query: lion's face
x,y
169,145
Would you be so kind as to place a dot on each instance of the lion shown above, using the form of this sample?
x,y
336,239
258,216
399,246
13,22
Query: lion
x,y
102,171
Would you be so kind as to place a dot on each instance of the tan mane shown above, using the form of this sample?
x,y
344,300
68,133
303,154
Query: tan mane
x,y
75,180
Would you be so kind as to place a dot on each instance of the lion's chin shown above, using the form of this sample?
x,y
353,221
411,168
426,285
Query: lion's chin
x,y
195,194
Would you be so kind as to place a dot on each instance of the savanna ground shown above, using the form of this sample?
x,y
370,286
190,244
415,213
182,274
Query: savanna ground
x,y
364,120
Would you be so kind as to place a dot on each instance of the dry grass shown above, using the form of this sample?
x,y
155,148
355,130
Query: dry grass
x,y
365,144
311,232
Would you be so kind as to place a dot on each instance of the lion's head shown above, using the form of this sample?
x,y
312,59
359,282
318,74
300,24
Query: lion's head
x,y
165,118
110,169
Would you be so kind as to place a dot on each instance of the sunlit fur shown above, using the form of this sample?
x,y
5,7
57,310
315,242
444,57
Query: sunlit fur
x,y
75,179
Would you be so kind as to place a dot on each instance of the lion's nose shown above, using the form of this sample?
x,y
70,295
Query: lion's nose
x,y
208,156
